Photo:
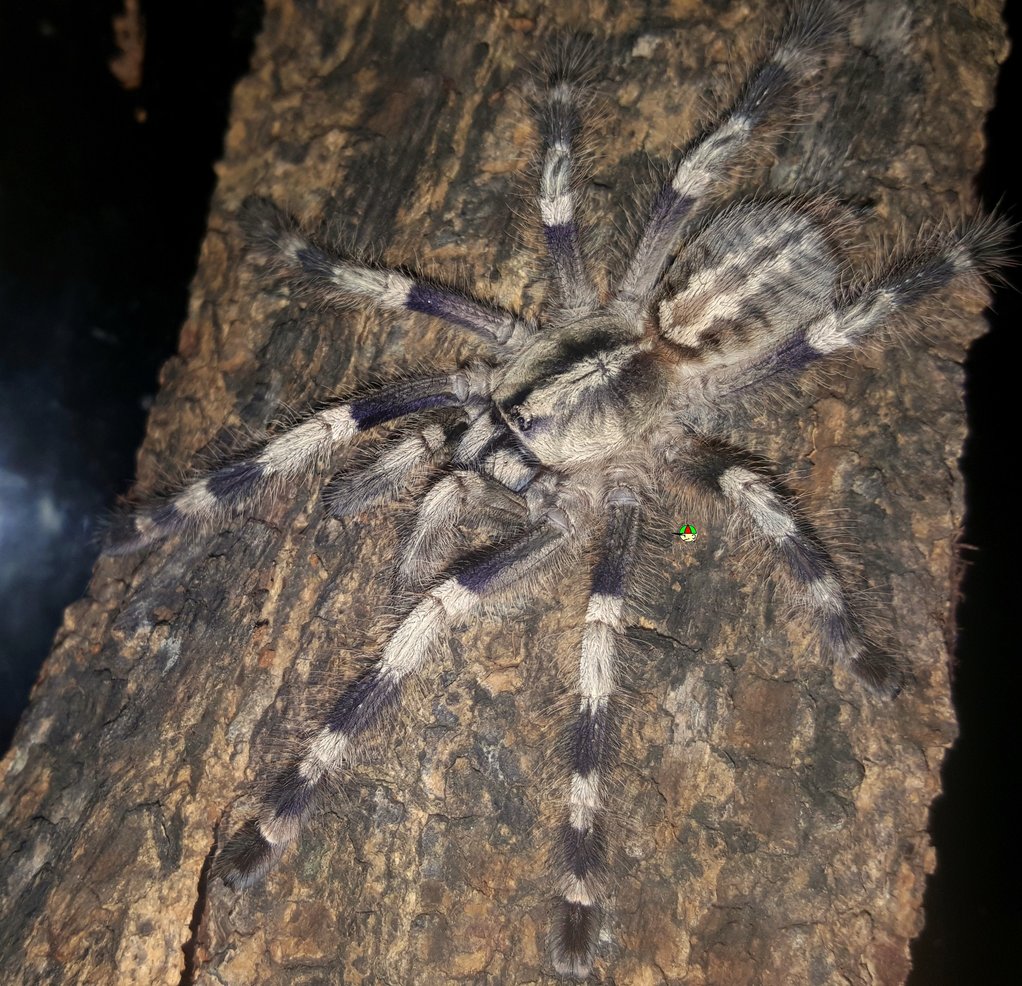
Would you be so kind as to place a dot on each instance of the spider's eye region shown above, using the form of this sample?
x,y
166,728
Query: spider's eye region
x,y
521,418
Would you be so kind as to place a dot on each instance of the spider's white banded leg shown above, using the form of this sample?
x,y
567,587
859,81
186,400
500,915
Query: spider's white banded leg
x,y
393,467
795,545
290,455
258,843
344,282
772,94
559,114
582,845
977,250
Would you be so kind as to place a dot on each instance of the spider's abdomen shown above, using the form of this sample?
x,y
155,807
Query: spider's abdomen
x,y
754,280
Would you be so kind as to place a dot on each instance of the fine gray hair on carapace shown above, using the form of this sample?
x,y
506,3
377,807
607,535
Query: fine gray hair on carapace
x,y
561,434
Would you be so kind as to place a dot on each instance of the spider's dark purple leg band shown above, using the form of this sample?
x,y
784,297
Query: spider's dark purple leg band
x,y
344,282
409,397
713,162
667,217
560,124
364,704
777,365
292,454
582,848
258,843
794,545
457,309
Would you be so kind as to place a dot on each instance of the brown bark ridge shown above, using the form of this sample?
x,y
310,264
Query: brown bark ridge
x,y
775,828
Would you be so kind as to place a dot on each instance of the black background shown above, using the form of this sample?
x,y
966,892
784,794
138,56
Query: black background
x,y
103,200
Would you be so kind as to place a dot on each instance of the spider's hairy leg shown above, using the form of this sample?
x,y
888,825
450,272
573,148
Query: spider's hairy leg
x,y
391,469
346,283
289,456
582,848
975,250
258,843
559,110
710,167
797,549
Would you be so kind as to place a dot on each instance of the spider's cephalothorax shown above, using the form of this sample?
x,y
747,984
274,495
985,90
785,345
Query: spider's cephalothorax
x,y
559,435
584,392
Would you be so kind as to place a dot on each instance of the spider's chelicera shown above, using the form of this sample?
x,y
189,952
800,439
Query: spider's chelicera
x,y
560,433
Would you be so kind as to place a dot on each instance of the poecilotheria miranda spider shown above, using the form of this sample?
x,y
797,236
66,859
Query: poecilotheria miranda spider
x,y
557,438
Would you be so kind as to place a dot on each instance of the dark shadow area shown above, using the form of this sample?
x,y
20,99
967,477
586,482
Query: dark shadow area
x,y
973,908
104,191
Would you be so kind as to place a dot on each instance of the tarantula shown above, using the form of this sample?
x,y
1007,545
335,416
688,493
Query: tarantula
x,y
558,437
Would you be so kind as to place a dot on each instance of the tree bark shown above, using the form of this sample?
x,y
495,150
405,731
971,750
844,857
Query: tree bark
x,y
774,820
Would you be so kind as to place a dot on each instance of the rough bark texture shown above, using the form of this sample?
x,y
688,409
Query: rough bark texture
x,y
775,828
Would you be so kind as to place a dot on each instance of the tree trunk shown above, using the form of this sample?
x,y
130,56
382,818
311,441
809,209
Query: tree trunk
x,y
774,828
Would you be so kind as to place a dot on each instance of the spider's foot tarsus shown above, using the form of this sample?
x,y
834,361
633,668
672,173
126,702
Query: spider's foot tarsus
x,y
247,857
132,532
123,536
879,672
576,934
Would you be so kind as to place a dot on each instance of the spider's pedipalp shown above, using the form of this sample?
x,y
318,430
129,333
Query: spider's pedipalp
x,y
345,283
582,848
708,170
455,498
480,435
796,548
488,447
390,471
365,703
294,453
